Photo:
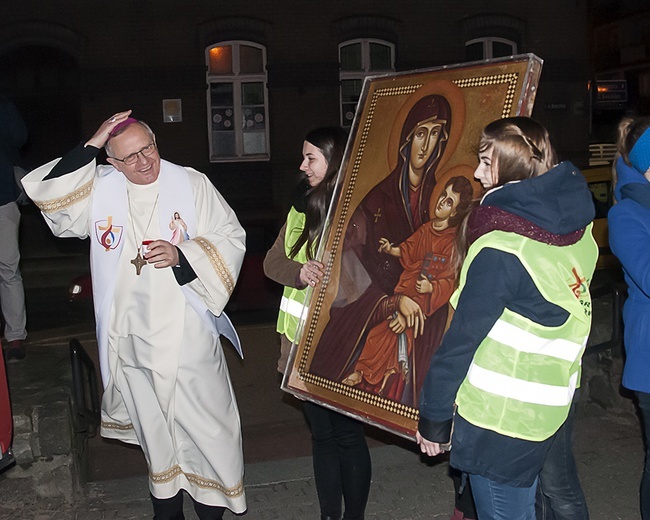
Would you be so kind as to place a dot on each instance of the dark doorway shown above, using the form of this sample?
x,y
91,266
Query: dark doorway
x,y
43,82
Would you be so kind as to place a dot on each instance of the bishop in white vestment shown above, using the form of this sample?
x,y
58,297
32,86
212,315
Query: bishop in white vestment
x,y
158,306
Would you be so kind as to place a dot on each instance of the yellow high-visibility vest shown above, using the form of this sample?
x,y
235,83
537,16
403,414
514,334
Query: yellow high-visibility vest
x,y
293,300
523,375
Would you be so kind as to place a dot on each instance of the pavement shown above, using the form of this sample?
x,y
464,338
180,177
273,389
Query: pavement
x,y
63,474
278,481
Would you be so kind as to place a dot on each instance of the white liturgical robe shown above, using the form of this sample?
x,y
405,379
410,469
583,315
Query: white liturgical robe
x,y
166,382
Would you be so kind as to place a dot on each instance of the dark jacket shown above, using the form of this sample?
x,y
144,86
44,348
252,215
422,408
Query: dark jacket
x,y
553,208
13,135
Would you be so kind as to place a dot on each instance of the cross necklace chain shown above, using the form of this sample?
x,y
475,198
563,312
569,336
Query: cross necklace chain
x,y
139,262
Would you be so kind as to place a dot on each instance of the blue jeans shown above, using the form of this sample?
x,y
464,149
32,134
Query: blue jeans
x,y
496,501
559,494
644,406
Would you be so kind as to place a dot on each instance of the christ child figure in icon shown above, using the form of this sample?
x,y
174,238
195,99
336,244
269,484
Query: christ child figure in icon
x,y
428,279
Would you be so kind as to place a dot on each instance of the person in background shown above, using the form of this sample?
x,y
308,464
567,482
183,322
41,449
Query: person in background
x,y
508,366
629,238
158,307
13,135
342,467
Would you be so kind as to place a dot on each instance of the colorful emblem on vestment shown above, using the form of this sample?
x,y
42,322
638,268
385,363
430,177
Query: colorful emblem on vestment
x,y
107,234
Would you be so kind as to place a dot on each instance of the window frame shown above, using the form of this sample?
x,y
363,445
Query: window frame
x,y
488,47
365,68
237,79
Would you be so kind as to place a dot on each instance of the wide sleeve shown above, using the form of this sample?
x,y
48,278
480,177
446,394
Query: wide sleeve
x,y
217,251
279,267
629,239
65,201
491,285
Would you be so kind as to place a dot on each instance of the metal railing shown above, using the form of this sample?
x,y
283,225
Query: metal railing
x,y
85,393
601,153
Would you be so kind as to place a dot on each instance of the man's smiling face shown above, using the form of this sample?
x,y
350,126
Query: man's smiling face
x,y
133,140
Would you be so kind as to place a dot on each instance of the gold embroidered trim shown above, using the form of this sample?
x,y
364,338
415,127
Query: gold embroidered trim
x,y
218,263
170,474
50,206
115,426
165,476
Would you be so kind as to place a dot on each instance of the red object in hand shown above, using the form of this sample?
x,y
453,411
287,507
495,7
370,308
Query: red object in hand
x,y
145,246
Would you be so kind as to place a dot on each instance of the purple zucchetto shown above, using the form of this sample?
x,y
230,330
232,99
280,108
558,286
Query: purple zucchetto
x,y
119,128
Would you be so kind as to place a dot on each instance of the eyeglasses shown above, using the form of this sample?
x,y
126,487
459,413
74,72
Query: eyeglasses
x,y
132,158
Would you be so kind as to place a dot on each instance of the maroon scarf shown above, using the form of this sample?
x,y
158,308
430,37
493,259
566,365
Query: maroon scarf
x,y
484,219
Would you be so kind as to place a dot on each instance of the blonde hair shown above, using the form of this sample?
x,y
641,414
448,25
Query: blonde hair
x,y
629,131
521,148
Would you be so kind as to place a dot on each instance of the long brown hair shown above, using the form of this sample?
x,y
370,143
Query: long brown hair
x,y
331,142
521,148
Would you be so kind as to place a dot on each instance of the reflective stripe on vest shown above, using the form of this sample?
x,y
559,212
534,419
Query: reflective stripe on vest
x,y
291,306
293,300
514,388
523,376
525,341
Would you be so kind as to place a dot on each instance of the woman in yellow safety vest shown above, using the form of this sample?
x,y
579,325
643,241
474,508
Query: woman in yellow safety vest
x,y
510,362
341,458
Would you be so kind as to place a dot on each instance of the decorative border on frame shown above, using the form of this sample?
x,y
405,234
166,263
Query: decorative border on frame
x,y
382,403
205,483
364,397
338,233
217,263
510,78
50,206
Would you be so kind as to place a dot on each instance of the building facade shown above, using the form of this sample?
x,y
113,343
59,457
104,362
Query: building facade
x,y
231,88
620,55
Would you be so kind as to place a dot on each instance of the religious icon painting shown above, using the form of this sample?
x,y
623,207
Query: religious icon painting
x,y
369,330
179,229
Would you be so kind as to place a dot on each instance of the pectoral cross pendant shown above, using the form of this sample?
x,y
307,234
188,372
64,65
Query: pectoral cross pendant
x,y
138,262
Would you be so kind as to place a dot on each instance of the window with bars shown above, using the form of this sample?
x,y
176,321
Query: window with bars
x,y
360,58
237,102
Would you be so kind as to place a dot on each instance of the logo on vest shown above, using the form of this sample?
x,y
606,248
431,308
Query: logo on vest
x,y
580,288
107,234
578,285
